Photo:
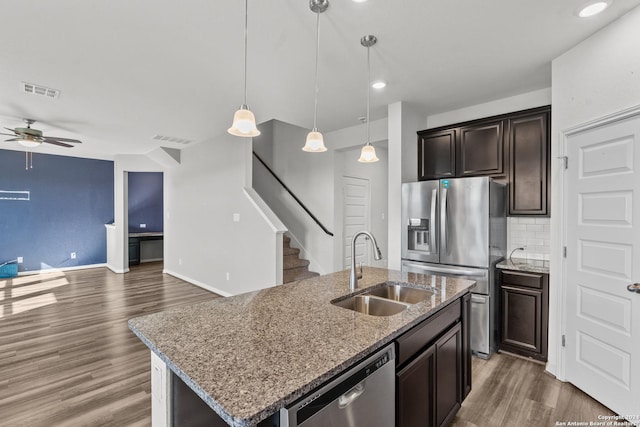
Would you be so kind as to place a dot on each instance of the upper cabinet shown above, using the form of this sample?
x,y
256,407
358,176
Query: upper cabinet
x,y
529,147
512,147
438,153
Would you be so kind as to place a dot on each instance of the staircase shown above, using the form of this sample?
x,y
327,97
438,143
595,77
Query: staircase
x,y
293,267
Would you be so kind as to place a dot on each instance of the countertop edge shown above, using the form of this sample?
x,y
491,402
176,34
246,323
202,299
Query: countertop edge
x,y
526,265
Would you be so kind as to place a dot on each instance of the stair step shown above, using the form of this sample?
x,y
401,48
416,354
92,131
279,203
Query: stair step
x,y
288,276
286,239
292,261
287,250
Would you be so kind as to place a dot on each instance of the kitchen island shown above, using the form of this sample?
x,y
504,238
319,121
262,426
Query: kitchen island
x,y
250,355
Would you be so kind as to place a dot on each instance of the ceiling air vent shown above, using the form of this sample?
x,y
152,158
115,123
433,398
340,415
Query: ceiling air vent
x,y
35,89
173,139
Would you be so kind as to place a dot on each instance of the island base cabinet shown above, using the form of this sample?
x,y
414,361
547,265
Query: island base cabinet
x,y
431,384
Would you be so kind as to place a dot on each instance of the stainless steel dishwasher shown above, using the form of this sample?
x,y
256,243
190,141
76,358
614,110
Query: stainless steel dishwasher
x,y
363,396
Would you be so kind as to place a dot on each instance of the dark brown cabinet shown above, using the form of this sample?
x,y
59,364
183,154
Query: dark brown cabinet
x,y
481,149
524,307
529,148
431,378
512,147
437,155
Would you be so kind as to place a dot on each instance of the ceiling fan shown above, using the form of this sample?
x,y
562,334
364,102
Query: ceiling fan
x,y
29,137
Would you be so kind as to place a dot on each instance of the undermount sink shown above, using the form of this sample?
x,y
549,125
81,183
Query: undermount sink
x,y
386,300
371,305
401,293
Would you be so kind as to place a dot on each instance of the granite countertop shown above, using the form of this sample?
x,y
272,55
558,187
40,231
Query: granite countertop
x,y
249,355
528,265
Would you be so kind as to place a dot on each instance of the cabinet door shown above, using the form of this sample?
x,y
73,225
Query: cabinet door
x,y
416,392
481,149
448,375
524,322
436,154
528,165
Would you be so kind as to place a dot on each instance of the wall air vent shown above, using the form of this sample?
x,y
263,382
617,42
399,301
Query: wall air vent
x,y
172,139
35,89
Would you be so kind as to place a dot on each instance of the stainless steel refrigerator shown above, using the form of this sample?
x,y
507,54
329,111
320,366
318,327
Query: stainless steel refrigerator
x,y
457,227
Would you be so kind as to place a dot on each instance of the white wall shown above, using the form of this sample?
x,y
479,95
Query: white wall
x,y
598,77
311,177
203,242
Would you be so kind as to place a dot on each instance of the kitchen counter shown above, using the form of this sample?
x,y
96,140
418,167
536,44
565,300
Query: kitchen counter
x,y
249,355
527,265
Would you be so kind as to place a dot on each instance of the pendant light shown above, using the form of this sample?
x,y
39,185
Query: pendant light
x,y
368,153
315,141
244,122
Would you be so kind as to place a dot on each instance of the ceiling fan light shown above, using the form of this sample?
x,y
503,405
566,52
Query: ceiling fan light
x,y
244,123
29,142
314,143
368,154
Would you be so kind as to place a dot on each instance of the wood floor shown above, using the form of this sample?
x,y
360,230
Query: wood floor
x,y
512,392
67,357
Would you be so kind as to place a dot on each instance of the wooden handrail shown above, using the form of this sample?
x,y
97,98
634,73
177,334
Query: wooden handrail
x,y
317,221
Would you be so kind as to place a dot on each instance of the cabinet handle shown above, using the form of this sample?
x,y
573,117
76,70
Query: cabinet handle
x,y
634,288
348,398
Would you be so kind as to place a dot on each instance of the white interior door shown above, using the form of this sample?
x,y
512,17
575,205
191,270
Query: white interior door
x,y
355,193
602,318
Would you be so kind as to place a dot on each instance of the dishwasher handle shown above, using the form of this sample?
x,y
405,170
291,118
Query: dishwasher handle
x,y
349,397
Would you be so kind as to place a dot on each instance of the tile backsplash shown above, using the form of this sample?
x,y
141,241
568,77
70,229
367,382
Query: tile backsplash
x,y
534,234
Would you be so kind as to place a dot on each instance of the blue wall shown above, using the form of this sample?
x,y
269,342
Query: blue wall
x,y
70,201
145,201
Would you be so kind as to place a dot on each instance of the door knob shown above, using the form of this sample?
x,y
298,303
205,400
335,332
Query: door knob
x,y
634,288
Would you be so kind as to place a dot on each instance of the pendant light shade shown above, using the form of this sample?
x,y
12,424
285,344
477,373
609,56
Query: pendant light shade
x,y
244,122
315,141
368,153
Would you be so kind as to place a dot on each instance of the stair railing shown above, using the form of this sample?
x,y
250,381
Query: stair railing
x,y
313,217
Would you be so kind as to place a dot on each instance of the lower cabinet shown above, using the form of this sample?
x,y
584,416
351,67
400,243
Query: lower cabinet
x,y
525,313
432,361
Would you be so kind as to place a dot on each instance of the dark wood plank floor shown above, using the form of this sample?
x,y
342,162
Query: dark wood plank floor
x,y
508,391
67,357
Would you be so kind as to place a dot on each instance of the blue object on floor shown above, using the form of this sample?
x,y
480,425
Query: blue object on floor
x,y
8,269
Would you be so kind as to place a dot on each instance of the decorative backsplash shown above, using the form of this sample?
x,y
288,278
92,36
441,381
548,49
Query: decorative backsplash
x,y
534,234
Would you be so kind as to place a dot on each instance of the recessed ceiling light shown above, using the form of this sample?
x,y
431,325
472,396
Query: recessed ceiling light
x,y
378,84
593,8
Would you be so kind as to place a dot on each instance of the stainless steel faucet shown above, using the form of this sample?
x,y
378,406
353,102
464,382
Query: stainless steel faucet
x,y
354,275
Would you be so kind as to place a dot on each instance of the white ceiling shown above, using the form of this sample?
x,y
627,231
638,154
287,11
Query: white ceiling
x,y
129,70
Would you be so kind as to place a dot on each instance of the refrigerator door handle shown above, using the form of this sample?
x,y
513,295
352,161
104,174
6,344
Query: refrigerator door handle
x,y
443,222
432,221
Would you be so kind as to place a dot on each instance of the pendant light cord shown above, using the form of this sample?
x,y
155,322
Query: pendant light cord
x,y
246,24
315,105
368,94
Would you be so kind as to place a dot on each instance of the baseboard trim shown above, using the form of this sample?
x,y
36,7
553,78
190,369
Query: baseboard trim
x,y
198,283
56,269
142,261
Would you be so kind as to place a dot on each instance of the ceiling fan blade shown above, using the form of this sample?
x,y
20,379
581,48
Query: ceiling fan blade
x,y
8,134
55,142
12,139
12,130
55,138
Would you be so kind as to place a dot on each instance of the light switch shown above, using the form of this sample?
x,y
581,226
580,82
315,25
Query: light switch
x,y
143,225
236,217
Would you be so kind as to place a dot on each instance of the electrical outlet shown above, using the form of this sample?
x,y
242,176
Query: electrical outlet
x,y
143,225
73,255
180,261
20,260
228,275
236,217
